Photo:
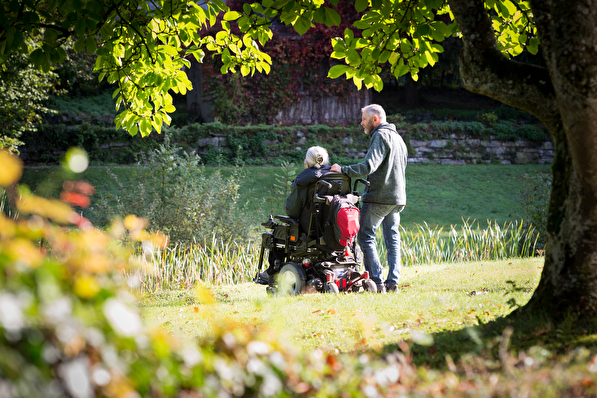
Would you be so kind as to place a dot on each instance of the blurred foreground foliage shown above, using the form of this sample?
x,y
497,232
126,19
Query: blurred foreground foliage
x,y
69,327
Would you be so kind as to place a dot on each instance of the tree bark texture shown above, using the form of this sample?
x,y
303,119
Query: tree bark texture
x,y
564,97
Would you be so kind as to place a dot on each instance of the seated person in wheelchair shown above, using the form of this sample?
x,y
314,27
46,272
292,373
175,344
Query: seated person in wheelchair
x,y
316,165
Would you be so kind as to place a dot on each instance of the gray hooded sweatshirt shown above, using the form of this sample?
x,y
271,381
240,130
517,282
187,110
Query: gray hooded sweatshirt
x,y
384,165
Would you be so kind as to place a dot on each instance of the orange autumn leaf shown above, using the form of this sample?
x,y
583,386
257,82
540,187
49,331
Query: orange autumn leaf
x,y
75,199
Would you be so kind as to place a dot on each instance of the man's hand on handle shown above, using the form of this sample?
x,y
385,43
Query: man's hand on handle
x,y
336,168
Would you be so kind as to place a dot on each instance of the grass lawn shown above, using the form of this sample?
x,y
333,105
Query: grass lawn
x,y
441,195
433,299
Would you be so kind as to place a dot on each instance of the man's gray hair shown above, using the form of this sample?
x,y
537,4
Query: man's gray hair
x,y
375,110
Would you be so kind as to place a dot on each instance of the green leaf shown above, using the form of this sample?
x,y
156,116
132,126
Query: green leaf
x,y
522,39
437,35
332,17
429,57
338,55
337,71
533,45
378,84
353,58
146,127
232,16
348,36
80,44
510,7
37,57
90,45
221,37
302,25
132,130
393,58
361,5
319,15
57,55
405,47
502,10
400,69
434,4
385,55
157,123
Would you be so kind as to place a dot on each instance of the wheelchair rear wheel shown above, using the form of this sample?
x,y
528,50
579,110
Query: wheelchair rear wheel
x,y
290,282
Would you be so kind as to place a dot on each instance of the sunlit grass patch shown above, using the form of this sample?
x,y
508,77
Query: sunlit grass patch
x,y
432,298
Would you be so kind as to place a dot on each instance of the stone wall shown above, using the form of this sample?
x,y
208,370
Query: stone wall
x,y
442,149
461,149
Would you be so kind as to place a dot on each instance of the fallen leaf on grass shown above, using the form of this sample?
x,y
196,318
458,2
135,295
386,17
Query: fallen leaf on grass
x,y
405,286
331,311
316,312
196,309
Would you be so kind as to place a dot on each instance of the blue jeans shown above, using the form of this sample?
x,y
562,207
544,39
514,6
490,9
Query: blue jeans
x,y
372,215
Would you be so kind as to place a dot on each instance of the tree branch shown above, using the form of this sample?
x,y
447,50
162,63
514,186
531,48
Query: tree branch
x,y
485,70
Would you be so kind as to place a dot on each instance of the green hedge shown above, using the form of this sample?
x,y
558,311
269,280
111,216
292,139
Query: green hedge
x,y
255,144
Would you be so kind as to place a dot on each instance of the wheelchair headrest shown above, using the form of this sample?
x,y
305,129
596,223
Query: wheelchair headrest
x,y
337,184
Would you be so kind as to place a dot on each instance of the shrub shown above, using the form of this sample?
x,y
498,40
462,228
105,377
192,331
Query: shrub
x,y
505,112
504,130
532,133
489,118
173,190
473,128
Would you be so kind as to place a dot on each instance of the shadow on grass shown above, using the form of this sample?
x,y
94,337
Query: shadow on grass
x,y
513,336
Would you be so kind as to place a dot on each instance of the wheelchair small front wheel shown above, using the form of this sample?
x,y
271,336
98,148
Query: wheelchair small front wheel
x,y
331,287
369,286
271,291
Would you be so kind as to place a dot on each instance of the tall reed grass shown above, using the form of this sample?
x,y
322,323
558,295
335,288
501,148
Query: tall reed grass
x,y
467,242
220,262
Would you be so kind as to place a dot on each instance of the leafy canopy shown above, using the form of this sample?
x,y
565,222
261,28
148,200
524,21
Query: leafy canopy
x,y
145,46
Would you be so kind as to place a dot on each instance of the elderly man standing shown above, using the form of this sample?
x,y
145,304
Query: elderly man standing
x,y
385,197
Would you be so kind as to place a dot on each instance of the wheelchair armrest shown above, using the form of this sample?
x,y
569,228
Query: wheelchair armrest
x,y
287,220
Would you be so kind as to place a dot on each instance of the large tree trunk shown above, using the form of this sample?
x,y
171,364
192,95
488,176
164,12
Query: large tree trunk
x,y
563,96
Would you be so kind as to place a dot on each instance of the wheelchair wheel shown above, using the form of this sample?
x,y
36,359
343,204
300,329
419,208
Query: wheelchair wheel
x,y
331,287
369,286
290,282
